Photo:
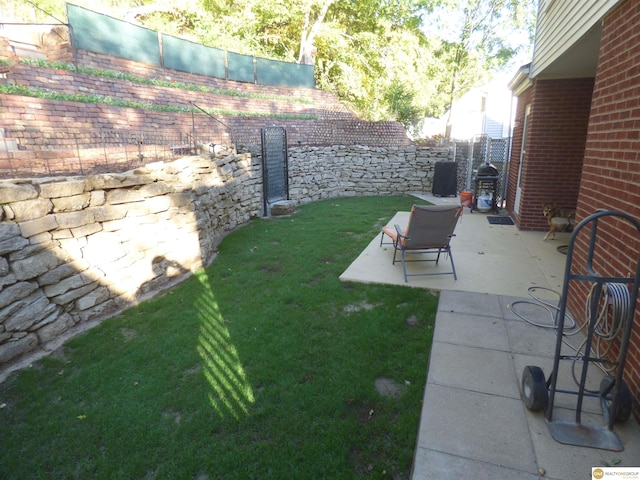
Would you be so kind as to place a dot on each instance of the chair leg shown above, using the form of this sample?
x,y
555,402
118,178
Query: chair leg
x,y
395,247
404,268
453,267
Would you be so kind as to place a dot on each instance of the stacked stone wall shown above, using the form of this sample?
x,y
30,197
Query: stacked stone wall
x,y
338,171
76,250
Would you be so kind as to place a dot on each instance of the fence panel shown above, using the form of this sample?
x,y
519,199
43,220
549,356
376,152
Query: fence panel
x,y
272,72
102,34
186,56
274,165
240,67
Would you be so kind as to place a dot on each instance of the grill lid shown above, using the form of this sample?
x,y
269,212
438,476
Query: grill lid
x,y
488,170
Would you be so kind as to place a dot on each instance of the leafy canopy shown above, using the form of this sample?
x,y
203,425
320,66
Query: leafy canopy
x,y
388,59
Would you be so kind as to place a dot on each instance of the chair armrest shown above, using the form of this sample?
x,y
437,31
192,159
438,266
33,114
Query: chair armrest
x,y
400,232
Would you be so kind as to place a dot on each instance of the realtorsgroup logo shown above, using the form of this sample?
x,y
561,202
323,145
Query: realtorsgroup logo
x,y
617,473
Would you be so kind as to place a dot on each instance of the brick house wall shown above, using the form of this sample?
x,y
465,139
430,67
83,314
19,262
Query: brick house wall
x,y
611,167
555,148
583,151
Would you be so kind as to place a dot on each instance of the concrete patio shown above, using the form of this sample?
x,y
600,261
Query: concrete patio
x,y
473,422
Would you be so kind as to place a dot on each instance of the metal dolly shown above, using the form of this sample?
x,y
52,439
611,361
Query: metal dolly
x,y
619,293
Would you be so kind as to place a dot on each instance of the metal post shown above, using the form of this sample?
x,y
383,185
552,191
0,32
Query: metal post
x,y
469,164
193,127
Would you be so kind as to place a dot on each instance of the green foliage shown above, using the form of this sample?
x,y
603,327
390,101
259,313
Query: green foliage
x,y
17,89
481,36
439,48
400,100
365,45
161,83
262,366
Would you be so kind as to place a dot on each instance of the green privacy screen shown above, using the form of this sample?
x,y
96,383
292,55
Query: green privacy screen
x,y
240,67
102,34
273,72
191,57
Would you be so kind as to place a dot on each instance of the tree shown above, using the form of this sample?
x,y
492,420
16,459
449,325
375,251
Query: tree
x,y
388,59
309,32
484,36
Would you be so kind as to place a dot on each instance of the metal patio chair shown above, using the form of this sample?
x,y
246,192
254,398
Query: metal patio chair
x,y
429,231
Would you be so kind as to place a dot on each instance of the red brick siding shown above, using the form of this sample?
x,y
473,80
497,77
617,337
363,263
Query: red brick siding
x,y
555,147
611,169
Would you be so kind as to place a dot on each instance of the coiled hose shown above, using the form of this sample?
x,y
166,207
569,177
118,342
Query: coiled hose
x,y
615,294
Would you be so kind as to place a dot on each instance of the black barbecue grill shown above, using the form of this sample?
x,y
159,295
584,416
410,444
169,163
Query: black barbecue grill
x,y
486,189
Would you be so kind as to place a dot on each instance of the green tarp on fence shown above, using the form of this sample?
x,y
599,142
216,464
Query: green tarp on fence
x,y
240,67
192,57
102,34
273,72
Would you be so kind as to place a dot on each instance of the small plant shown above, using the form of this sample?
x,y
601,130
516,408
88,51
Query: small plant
x,y
17,89
161,83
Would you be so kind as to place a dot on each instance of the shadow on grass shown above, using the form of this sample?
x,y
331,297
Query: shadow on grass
x,y
230,392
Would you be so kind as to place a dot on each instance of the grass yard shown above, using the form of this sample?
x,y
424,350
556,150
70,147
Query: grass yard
x,y
263,365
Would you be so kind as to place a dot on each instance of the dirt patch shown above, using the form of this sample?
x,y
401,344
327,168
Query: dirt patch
x,y
272,269
412,321
362,306
172,415
128,334
363,412
197,368
388,387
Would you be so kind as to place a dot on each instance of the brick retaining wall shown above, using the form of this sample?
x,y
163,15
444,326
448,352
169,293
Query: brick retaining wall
x,y
73,128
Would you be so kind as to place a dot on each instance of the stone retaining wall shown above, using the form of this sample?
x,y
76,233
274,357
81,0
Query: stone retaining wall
x,y
76,250
327,172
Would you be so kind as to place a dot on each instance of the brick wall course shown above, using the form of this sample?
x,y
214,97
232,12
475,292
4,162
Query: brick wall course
x,y
41,125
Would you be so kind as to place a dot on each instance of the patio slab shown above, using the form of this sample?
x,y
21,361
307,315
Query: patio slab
x,y
473,422
496,424
494,259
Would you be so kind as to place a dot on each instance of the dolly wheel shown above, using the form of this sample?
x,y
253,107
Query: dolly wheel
x,y
625,402
534,388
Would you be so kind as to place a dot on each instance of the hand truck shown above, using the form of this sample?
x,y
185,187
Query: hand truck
x,y
607,293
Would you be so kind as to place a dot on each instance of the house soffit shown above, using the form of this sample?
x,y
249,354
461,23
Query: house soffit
x,y
579,60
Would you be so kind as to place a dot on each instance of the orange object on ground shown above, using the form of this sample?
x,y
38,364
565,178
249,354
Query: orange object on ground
x,y
466,199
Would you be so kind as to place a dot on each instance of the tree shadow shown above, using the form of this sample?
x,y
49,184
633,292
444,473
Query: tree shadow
x,y
230,391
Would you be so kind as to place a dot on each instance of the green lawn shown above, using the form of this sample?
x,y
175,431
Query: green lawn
x,y
261,366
